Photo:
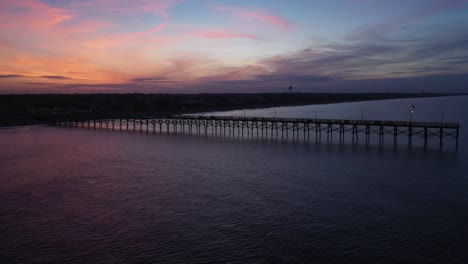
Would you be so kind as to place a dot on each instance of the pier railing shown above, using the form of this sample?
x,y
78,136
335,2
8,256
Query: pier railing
x,y
326,121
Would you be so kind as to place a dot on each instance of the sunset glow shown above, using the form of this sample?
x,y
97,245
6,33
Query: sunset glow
x,y
226,46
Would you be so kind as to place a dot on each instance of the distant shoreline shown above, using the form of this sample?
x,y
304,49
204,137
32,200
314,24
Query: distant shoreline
x,y
23,110
225,109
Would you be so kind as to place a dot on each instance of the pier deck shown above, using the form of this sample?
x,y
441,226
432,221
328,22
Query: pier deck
x,y
280,127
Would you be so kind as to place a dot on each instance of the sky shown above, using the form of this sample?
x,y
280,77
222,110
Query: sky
x,y
218,46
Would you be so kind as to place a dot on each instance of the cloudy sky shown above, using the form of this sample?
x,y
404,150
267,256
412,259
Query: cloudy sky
x,y
185,46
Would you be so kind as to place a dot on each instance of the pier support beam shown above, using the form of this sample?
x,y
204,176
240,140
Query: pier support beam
x,y
441,137
425,137
381,134
410,136
367,134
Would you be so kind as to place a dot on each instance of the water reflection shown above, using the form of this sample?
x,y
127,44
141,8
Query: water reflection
x,y
73,195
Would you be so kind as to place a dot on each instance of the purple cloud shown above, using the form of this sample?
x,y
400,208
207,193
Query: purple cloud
x,y
56,77
8,76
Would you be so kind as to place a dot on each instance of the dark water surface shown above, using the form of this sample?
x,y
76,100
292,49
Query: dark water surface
x,y
71,195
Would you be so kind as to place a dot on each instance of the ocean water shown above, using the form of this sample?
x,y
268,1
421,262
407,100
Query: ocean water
x,y
74,195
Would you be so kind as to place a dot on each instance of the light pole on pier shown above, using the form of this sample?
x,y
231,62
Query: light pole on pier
x,y
411,113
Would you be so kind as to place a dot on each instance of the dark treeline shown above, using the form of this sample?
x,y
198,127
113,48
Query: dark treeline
x,y
43,108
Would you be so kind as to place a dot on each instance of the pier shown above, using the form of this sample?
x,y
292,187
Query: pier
x,y
282,128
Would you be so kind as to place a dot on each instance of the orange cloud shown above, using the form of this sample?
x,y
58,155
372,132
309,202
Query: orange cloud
x,y
43,65
44,43
40,40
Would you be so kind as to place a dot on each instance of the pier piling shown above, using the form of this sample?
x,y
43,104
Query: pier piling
x,y
271,127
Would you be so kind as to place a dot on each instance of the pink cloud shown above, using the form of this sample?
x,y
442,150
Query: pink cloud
x,y
40,40
268,18
152,30
37,39
256,15
126,38
223,34
88,26
36,17
125,7
33,13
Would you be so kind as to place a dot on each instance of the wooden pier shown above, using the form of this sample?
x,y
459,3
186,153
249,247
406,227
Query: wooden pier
x,y
281,128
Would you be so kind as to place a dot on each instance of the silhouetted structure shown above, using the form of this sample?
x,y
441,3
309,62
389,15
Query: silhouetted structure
x,y
278,127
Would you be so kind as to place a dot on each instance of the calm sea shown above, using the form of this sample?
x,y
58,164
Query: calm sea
x,y
70,195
